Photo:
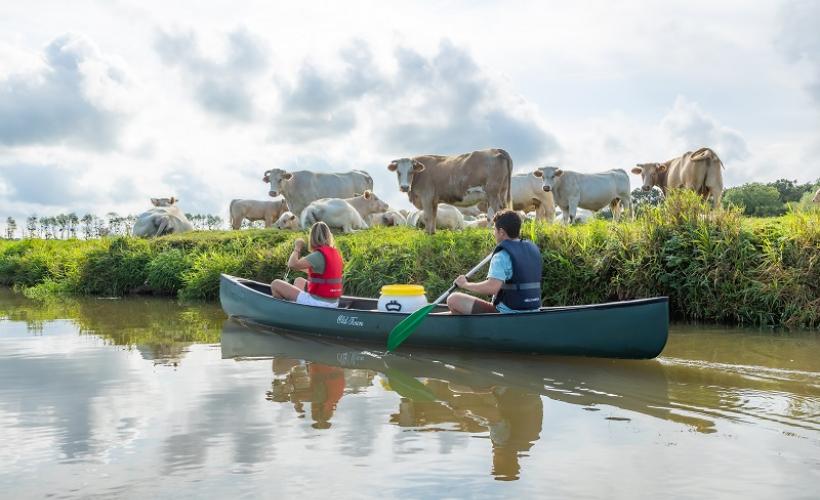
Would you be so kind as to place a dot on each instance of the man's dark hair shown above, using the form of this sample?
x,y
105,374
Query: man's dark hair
x,y
509,221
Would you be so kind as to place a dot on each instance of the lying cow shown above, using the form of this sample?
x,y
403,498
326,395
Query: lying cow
x,y
164,218
700,171
572,190
253,210
447,217
287,222
302,187
471,211
388,218
431,179
345,214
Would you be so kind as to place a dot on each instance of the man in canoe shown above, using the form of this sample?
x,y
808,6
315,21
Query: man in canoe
x,y
514,278
324,267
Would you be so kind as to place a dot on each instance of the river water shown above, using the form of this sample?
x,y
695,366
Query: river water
x,y
145,398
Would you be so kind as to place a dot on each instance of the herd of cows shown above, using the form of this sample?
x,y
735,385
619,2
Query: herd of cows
x,y
451,192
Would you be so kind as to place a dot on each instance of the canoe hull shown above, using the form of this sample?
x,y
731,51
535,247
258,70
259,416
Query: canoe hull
x,y
633,329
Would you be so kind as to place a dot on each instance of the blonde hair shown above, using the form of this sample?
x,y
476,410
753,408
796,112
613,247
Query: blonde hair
x,y
320,235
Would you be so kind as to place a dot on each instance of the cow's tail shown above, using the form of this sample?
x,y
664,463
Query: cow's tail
x,y
703,154
508,194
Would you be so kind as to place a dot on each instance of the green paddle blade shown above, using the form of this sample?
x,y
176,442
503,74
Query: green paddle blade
x,y
408,387
407,326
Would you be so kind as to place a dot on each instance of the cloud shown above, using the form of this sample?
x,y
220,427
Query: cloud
x,y
799,39
441,104
47,185
75,98
691,128
221,87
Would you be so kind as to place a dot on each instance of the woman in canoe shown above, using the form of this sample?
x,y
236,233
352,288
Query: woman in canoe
x,y
324,267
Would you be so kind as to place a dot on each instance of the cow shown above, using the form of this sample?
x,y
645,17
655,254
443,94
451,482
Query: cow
x,y
164,218
572,190
287,221
816,198
431,179
253,210
471,211
477,222
447,217
302,187
528,194
389,218
346,214
700,171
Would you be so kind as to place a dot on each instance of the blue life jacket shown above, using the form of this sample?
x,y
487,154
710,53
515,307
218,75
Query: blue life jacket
x,y
523,290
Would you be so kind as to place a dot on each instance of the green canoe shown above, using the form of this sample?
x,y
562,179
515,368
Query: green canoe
x,y
635,329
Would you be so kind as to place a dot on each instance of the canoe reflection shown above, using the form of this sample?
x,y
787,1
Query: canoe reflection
x,y
451,391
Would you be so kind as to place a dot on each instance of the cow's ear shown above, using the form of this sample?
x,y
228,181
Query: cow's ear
x,y
155,202
558,172
662,167
266,176
173,200
367,194
417,166
393,166
538,173
293,216
288,176
637,170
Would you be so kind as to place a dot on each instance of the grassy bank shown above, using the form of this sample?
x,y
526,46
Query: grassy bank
x,y
714,266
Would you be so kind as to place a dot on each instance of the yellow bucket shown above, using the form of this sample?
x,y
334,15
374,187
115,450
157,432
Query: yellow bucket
x,y
401,298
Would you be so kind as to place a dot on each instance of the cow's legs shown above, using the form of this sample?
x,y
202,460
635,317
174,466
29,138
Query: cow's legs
x,y
565,214
268,221
430,217
628,206
573,209
616,208
236,223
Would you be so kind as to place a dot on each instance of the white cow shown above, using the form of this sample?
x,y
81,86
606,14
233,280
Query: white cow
x,y
447,217
345,214
287,221
302,187
478,222
528,194
572,190
389,218
164,218
253,210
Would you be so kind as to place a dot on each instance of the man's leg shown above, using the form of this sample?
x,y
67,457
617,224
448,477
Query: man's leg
x,y
461,303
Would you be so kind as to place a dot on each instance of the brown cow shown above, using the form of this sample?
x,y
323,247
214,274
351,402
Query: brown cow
x,y
431,179
699,171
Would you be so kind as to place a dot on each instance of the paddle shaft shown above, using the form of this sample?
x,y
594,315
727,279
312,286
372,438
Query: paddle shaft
x,y
469,274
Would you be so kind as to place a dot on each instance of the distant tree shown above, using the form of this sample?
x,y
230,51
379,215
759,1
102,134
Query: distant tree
x,y
61,224
73,222
11,228
213,222
642,199
88,226
32,226
790,191
755,199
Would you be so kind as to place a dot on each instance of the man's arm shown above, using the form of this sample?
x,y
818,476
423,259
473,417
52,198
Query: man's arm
x,y
490,286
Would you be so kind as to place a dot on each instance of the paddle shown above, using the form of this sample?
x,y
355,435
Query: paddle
x,y
409,324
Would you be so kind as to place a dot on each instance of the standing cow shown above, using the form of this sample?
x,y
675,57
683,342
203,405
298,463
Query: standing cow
x,y
253,210
431,179
700,171
528,194
572,190
302,187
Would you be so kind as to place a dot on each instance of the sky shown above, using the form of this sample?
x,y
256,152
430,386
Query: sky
x,y
105,104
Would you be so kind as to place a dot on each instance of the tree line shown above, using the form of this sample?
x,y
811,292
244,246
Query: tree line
x,y
90,226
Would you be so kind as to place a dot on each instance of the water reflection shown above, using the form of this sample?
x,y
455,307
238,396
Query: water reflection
x,y
498,397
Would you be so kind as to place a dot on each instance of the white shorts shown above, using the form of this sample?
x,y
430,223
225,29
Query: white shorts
x,y
307,299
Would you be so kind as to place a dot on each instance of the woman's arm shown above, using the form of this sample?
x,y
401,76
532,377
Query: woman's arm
x,y
294,261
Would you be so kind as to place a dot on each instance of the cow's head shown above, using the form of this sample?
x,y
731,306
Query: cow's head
x,y
287,220
374,204
163,202
549,176
650,173
405,168
276,177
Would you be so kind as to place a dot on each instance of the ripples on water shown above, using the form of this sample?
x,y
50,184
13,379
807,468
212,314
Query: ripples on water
x,y
148,398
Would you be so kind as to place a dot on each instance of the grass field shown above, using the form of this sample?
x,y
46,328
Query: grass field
x,y
714,266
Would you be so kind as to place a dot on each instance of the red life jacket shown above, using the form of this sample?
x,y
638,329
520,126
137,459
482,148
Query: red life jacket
x,y
329,283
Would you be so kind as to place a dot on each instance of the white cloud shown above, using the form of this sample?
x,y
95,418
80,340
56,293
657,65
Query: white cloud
x,y
691,128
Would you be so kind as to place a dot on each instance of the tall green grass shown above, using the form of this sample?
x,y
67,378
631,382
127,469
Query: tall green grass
x,y
713,265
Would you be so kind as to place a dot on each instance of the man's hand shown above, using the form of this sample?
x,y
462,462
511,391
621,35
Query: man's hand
x,y
460,281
